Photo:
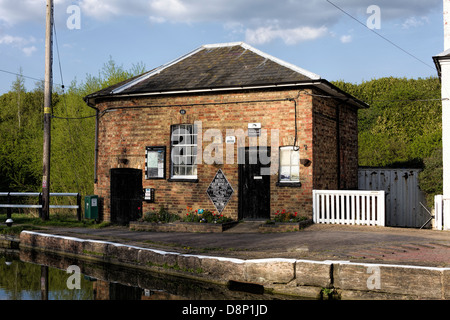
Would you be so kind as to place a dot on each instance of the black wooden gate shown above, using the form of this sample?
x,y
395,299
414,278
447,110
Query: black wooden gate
x,y
126,195
254,185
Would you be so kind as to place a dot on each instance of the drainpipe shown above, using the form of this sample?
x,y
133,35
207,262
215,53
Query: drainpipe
x,y
96,145
338,141
338,145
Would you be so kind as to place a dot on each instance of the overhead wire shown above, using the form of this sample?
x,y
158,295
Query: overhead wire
x,y
379,35
20,75
62,85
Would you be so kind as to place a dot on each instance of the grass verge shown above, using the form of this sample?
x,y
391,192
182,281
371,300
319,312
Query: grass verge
x,y
28,222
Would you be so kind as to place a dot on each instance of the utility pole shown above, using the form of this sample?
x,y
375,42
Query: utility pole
x,y
47,110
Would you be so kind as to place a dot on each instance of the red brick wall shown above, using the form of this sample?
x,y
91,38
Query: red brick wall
x,y
126,132
335,145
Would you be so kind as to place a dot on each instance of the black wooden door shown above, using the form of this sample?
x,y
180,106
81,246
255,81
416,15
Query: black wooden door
x,y
254,184
126,195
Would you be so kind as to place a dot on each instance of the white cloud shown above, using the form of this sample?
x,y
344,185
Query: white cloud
x,y
28,51
251,12
413,22
260,21
346,39
19,42
11,40
289,36
18,11
172,9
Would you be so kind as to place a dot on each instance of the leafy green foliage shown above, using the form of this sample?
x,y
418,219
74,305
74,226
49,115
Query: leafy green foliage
x,y
73,134
162,215
402,127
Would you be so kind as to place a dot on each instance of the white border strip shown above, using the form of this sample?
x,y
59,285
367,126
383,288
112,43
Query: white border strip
x,y
239,261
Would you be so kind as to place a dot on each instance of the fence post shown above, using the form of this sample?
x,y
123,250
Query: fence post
x,y
438,212
79,207
40,203
315,206
8,210
381,206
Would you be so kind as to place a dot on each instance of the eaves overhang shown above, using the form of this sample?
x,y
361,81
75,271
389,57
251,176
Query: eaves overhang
x,y
329,90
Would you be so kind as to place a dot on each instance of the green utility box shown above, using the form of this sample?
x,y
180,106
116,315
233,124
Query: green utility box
x,y
91,207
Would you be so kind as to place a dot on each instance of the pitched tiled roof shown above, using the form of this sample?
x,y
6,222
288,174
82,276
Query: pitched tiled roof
x,y
213,67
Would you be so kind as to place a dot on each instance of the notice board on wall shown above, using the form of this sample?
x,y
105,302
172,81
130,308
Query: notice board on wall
x,y
155,160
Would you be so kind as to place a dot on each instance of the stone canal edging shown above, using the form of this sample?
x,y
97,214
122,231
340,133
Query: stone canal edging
x,y
304,278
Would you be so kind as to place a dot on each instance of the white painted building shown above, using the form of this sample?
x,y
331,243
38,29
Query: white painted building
x,y
442,62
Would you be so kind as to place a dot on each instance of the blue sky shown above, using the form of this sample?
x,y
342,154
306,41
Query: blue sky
x,y
314,35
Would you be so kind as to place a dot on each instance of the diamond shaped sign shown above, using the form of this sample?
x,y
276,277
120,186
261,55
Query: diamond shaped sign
x,y
220,191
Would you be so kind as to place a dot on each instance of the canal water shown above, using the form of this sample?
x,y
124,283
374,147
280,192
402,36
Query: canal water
x,y
32,275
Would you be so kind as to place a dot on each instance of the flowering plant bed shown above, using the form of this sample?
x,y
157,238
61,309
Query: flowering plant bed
x,y
194,221
204,216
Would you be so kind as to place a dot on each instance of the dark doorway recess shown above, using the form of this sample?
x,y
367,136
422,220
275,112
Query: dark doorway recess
x,y
126,195
254,183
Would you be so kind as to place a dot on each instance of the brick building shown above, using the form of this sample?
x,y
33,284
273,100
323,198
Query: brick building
x,y
227,128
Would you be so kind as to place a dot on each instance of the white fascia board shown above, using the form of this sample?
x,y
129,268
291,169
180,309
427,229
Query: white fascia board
x,y
215,89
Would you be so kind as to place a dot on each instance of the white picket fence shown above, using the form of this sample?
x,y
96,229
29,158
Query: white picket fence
x,y
349,207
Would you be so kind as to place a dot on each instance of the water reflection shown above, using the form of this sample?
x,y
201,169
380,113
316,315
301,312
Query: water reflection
x,y
33,275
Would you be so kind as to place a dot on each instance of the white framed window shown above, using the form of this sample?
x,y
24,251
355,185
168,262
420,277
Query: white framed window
x,y
183,142
289,165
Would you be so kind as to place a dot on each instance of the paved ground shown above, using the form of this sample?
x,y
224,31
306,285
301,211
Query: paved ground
x,y
316,242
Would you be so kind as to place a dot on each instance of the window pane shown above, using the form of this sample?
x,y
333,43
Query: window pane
x,y
285,157
285,173
295,157
289,164
295,173
184,150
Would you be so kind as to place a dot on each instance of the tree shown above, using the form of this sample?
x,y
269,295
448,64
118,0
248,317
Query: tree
x,y
18,87
402,127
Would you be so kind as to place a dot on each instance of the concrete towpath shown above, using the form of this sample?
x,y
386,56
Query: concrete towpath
x,y
317,242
